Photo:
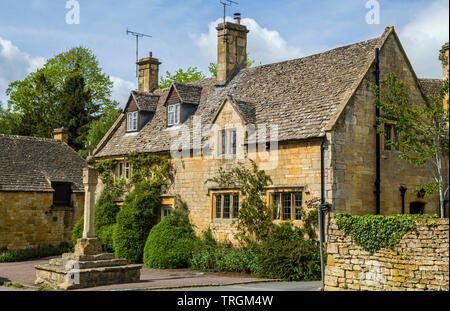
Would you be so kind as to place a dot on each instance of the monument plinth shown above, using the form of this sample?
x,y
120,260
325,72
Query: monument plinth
x,y
88,266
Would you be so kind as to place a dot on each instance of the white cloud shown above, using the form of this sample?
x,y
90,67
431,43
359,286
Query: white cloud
x,y
14,65
121,90
424,36
263,45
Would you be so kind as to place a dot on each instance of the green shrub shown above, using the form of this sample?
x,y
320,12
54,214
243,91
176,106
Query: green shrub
x,y
170,243
135,220
285,254
34,253
373,232
77,231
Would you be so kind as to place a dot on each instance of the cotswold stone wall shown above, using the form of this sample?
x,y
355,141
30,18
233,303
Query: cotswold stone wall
x,y
27,219
418,262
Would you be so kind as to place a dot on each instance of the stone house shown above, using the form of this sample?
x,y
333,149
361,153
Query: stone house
x,y
41,190
308,122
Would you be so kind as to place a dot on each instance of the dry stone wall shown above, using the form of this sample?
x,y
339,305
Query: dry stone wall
x,y
418,262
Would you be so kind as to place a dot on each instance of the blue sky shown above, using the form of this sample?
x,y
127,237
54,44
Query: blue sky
x,y
184,35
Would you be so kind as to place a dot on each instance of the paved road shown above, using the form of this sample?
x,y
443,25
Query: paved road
x,y
266,286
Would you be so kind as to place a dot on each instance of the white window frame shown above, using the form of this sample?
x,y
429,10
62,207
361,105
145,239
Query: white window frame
x,y
127,170
165,211
132,121
173,114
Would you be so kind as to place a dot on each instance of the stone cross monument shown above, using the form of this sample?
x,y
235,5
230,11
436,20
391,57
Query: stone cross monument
x,y
88,266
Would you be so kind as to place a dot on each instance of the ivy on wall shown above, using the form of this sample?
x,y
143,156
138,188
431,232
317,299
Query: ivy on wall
x,y
374,232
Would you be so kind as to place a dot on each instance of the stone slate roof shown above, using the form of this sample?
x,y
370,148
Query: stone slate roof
x,y
432,85
145,101
31,164
189,94
301,96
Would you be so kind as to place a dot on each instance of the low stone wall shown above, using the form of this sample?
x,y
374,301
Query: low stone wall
x,y
419,262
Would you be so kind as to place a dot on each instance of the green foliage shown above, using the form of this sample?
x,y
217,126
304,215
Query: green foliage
x,y
33,253
170,243
77,231
135,220
69,91
190,75
154,168
285,254
254,220
374,232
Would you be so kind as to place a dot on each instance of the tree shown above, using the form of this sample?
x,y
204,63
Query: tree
x,y
8,121
98,128
38,101
190,75
422,130
77,110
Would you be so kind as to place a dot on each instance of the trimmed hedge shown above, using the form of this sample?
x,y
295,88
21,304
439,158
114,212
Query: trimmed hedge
x,y
135,220
170,243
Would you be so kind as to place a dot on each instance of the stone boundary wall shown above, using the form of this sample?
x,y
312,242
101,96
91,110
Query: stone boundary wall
x,y
419,262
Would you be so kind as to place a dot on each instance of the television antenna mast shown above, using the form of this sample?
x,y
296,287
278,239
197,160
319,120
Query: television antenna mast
x,y
137,35
226,3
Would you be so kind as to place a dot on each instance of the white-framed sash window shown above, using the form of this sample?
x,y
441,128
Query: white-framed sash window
x,y
173,114
132,121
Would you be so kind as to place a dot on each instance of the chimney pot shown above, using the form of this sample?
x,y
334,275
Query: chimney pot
x,y
237,18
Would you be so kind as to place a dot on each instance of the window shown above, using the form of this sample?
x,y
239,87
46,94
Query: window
x,y
218,206
227,140
232,141
223,138
226,204
120,170
287,205
61,196
390,134
298,206
132,121
173,114
127,170
165,211
235,206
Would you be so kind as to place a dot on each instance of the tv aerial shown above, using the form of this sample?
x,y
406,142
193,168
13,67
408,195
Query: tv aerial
x,y
226,3
137,35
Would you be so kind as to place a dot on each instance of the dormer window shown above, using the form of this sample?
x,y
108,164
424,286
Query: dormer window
x,y
173,114
132,121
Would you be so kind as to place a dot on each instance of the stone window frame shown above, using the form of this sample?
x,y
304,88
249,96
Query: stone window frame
x,y
390,132
227,145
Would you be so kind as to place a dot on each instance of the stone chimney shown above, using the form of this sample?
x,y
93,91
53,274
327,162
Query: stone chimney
x,y
61,135
444,52
148,74
231,50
